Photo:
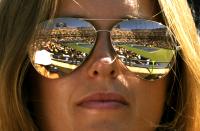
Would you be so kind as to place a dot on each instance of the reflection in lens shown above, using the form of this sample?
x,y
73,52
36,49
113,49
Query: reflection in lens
x,y
145,47
61,45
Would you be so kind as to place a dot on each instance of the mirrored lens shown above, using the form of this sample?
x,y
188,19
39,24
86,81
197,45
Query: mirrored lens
x,y
61,45
145,47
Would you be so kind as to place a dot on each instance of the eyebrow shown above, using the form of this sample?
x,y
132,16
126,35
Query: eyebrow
x,y
103,19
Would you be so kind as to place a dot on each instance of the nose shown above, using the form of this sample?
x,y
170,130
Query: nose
x,y
103,61
104,67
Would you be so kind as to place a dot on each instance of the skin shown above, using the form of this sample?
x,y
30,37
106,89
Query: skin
x,y
55,101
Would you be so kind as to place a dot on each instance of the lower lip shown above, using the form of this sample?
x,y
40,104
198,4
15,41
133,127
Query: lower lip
x,y
102,105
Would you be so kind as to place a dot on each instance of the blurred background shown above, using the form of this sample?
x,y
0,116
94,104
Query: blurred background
x,y
195,8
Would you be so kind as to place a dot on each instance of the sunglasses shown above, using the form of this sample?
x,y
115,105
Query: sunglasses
x,y
61,45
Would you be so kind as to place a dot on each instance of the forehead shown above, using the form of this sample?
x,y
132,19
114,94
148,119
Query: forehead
x,y
107,8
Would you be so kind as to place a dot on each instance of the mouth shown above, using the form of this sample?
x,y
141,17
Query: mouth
x,y
103,101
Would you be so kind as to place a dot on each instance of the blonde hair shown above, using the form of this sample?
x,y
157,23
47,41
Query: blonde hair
x,y
178,17
18,21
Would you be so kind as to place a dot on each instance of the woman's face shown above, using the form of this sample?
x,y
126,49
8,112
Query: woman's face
x,y
101,95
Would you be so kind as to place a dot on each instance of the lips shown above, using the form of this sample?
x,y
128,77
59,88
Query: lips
x,y
103,101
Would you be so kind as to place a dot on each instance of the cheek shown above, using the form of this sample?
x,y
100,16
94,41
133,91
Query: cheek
x,y
52,92
149,99
51,102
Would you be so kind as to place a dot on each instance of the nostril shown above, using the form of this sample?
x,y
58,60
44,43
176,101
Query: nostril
x,y
112,72
95,73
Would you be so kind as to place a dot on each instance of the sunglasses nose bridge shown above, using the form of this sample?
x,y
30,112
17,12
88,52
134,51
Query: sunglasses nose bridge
x,y
103,45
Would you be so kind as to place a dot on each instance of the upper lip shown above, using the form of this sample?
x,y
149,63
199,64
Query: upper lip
x,y
104,97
